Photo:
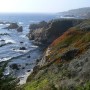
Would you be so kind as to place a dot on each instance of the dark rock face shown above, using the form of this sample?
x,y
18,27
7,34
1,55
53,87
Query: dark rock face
x,y
28,56
45,33
40,25
22,48
20,29
28,70
21,42
70,54
14,66
12,26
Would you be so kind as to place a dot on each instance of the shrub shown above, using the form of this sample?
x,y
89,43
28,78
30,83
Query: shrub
x,y
7,82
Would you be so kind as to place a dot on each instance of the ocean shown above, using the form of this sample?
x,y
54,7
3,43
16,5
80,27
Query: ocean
x,y
10,44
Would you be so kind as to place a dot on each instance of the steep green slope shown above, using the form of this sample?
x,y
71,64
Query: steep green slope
x,y
65,64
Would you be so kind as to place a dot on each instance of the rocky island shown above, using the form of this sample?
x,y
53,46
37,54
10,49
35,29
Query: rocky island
x,y
14,26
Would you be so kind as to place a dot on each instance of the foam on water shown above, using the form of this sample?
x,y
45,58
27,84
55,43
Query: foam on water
x,y
7,24
5,59
33,46
1,24
21,23
23,51
23,78
10,41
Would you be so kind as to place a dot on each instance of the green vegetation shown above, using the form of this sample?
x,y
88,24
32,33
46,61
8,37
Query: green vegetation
x,y
71,39
7,82
85,87
58,75
36,85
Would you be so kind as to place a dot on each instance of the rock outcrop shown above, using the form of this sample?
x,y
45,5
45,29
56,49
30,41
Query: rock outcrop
x,y
14,66
20,29
45,32
12,26
22,48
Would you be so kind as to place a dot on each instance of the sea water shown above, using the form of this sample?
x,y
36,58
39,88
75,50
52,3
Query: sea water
x,y
10,43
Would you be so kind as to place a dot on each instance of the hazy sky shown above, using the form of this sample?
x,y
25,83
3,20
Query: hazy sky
x,y
43,6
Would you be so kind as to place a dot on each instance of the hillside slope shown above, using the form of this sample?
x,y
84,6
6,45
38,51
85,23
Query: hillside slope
x,y
65,64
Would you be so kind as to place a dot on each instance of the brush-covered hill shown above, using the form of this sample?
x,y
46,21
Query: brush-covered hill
x,y
66,62
80,13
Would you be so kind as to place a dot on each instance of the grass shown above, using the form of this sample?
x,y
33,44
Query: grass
x,y
36,85
70,39
85,87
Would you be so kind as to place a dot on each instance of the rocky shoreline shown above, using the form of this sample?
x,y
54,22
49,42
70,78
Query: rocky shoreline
x,y
64,63
20,49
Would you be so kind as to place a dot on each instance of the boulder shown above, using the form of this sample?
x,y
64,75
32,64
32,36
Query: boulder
x,y
14,66
13,48
20,29
23,67
21,42
28,70
22,48
28,56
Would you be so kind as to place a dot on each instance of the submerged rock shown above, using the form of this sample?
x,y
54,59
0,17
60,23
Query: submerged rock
x,y
23,67
21,42
28,56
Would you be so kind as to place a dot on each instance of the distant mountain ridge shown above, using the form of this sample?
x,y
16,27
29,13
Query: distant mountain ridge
x,y
81,12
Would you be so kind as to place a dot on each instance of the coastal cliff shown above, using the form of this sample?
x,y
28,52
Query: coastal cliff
x,y
65,64
45,33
